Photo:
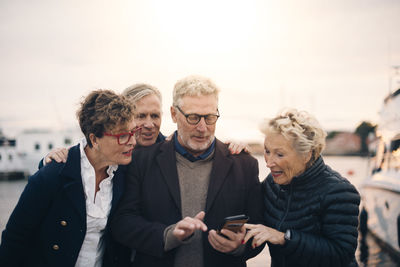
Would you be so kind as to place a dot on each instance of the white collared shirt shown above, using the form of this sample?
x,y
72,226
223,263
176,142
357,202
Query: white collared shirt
x,y
97,211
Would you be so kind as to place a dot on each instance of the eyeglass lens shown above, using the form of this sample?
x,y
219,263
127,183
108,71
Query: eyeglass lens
x,y
195,118
124,139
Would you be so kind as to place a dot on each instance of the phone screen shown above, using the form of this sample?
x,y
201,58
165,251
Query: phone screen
x,y
233,223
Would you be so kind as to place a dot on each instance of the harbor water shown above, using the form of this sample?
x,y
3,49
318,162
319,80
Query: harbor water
x,y
369,253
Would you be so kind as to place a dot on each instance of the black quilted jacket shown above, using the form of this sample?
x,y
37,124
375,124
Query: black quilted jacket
x,y
320,207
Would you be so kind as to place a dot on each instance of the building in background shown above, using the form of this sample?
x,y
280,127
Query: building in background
x,y
343,143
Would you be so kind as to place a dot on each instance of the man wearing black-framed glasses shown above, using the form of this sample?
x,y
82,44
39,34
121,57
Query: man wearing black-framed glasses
x,y
194,118
179,192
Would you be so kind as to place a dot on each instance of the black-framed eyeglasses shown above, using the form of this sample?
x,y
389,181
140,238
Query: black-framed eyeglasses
x,y
123,138
194,118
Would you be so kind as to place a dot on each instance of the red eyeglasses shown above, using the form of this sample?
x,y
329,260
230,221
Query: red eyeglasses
x,y
123,138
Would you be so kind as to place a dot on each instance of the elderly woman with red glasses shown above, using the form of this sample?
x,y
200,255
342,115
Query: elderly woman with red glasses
x,y
62,216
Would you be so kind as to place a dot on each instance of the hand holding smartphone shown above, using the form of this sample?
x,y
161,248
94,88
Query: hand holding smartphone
x,y
233,223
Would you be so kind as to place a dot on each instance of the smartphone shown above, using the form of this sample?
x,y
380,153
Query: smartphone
x,y
233,223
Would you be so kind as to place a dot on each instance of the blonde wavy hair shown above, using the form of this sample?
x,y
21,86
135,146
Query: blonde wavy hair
x,y
299,127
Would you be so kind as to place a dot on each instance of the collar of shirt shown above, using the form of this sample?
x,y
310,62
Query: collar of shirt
x,y
100,206
160,138
181,150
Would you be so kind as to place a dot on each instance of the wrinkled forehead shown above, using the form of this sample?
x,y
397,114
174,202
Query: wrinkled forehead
x,y
148,103
273,136
199,102
197,97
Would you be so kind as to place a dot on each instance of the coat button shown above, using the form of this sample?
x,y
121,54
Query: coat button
x,y
63,223
56,247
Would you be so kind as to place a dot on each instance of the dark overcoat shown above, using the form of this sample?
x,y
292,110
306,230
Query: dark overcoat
x,y
152,202
48,225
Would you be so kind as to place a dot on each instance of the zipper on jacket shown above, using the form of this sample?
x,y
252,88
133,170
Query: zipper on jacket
x,y
287,208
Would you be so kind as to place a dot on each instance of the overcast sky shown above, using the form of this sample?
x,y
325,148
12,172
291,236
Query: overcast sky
x,y
332,58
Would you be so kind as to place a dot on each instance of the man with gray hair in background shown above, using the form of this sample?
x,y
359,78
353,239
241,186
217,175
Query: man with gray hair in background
x,y
147,101
179,191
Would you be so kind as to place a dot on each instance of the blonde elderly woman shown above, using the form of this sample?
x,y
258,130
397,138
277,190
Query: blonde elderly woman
x,y
310,210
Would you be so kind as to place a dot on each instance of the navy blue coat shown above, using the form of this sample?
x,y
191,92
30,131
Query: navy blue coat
x,y
320,207
48,225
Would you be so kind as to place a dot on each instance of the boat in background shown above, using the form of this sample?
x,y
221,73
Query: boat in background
x,y
32,145
11,164
380,191
20,156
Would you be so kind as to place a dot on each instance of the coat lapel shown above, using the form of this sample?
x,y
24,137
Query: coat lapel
x,y
167,162
222,164
73,186
118,187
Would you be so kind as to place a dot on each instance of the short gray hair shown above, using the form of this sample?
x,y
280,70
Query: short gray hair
x,y
299,127
138,91
193,85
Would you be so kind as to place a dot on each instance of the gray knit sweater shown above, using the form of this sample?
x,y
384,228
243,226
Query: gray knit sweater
x,y
194,178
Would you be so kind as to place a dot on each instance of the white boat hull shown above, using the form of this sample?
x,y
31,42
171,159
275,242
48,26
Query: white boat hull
x,y
381,201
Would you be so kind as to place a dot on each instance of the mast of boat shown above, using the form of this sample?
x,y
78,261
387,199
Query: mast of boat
x,y
394,79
